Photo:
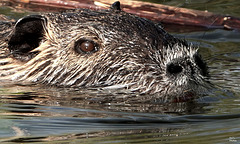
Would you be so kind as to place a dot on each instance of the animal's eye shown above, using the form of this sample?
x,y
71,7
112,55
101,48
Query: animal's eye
x,y
85,46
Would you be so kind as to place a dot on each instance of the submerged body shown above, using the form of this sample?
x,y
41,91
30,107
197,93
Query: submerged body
x,y
106,48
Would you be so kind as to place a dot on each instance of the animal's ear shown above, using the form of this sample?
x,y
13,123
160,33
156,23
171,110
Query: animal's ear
x,y
27,34
116,6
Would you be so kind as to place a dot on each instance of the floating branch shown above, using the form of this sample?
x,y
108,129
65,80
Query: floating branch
x,y
155,12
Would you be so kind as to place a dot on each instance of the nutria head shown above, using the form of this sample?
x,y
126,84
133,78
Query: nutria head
x,y
106,48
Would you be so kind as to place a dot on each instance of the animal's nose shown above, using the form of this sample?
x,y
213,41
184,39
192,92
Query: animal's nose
x,y
174,68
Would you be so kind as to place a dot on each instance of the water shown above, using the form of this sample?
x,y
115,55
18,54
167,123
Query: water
x,y
37,114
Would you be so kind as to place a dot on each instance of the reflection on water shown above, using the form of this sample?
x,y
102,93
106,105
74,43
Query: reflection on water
x,y
34,113
54,115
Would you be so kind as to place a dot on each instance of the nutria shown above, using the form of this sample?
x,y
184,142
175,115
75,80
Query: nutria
x,y
104,48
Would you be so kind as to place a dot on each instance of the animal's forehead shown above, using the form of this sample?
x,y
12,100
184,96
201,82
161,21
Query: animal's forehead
x,y
112,25
107,19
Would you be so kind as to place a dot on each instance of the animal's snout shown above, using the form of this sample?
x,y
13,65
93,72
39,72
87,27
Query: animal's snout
x,y
188,66
180,67
174,68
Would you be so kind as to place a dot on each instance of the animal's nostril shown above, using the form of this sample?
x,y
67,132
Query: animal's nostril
x,y
174,68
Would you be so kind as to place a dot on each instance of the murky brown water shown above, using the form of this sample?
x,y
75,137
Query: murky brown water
x,y
36,114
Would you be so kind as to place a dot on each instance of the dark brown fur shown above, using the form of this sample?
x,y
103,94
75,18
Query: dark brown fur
x,y
130,52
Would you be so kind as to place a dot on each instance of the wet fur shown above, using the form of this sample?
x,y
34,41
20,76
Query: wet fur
x,y
134,53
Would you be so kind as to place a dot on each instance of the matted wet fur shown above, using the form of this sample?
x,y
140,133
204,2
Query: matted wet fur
x,y
105,48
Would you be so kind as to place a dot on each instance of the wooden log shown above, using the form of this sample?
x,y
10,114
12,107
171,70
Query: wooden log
x,y
155,12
